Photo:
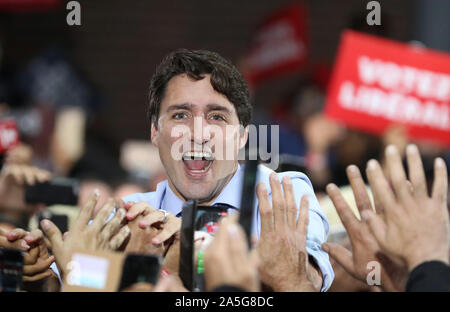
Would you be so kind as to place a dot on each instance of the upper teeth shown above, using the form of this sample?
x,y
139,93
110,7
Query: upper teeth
x,y
198,155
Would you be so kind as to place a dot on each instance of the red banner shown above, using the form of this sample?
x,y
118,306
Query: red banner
x,y
9,135
378,82
279,46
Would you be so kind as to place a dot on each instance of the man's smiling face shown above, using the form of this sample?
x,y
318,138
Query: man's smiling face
x,y
198,153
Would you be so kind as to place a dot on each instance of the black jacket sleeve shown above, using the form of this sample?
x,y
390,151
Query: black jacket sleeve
x,y
429,276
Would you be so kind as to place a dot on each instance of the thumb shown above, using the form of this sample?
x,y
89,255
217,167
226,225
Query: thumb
x,y
53,234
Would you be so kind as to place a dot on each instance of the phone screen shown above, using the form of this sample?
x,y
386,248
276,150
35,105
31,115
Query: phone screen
x,y
57,191
139,268
11,269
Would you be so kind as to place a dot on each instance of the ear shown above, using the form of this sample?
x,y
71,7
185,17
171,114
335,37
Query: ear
x,y
154,135
243,138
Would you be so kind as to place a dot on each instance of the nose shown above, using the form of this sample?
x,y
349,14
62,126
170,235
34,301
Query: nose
x,y
200,134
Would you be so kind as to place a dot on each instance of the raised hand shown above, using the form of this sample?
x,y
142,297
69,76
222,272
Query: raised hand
x,y
96,236
283,259
365,248
415,225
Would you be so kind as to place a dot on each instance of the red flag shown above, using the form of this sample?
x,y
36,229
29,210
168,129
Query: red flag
x,y
279,46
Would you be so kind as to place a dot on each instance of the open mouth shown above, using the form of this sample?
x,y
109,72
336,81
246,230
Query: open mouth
x,y
197,163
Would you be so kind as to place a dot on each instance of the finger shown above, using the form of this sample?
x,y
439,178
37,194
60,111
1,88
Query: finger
x,y
86,211
151,218
303,219
381,191
346,215
376,226
103,214
397,173
440,183
16,234
416,172
278,203
170,228
16,173
341,255
37,277
29,175
237,246
53,234
17,244
114,225
43,250
128,205
265,211
359,188
291,206
39,267
31,256
34,237
120,238
138,209
43,176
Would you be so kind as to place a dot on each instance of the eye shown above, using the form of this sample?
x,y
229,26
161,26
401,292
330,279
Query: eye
x,y
217,117
179,116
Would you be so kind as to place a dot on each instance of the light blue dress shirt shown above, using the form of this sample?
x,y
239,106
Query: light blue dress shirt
x,y
164,198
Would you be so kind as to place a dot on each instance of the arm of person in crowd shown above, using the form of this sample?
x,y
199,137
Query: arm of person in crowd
x,y
170,226
37,275
95,236
365,248
283,259
415,226
228,263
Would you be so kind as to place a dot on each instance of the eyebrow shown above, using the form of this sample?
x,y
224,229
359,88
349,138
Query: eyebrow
x,y
188,106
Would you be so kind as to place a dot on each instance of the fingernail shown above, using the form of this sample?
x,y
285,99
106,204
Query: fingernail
x,y
273,176
411,149
372,164
97,193
391,149
45,224
325,248
156,241
439,162
352,169
25,245
287,180
331,187
122,213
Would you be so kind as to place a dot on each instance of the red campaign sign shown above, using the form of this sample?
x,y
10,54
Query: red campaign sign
x,y
23,5
280,45
378,82
9,135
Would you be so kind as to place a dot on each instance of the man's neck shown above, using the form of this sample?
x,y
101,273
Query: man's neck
x,y
210,200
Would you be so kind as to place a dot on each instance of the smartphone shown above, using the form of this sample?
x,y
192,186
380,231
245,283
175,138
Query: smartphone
x,y
11,269
248,198
56,191
139,268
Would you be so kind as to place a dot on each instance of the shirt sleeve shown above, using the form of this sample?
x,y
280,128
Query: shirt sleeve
x,y
318,229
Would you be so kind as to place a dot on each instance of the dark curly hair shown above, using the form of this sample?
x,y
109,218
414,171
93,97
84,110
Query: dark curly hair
x,y
225,79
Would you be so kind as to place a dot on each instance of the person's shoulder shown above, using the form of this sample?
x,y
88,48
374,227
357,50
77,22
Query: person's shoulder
x,y
297,177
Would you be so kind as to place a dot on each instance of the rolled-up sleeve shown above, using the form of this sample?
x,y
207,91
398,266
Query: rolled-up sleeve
x,y
317,230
